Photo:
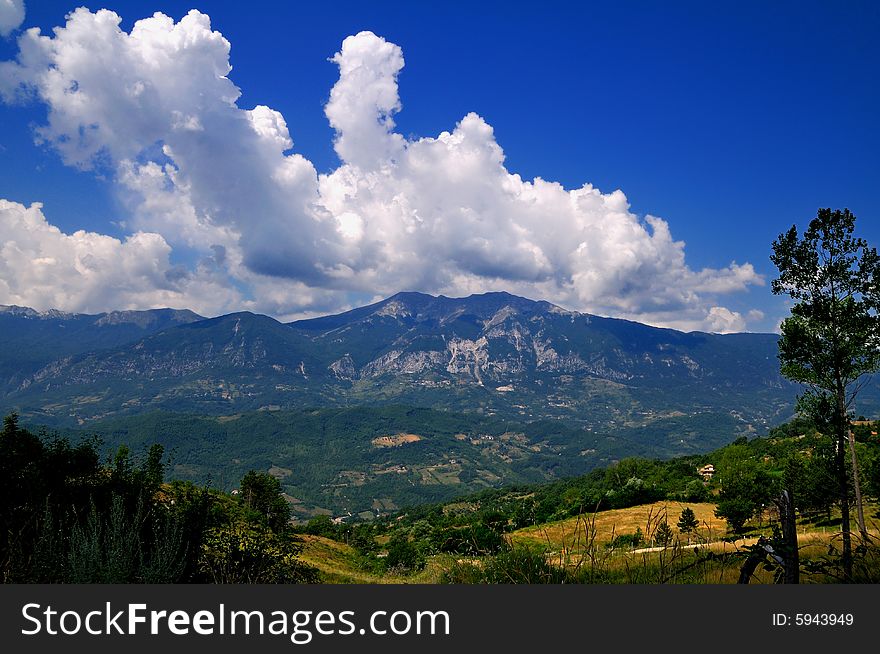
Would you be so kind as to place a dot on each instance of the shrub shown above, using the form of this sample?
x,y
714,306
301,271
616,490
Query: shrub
x,y
627,540
517,565
404,555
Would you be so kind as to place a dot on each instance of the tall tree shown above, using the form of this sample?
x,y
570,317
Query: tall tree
x,y
262,493
832,338
746,486
687,521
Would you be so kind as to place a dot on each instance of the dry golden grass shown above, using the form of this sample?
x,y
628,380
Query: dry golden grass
x,y
578,542
608,524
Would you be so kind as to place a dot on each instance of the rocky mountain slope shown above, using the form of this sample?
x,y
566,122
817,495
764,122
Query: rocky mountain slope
x,y
495,354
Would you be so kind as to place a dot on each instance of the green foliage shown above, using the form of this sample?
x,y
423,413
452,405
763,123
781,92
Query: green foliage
x,y
116,521
476,525
664,535
695,491
362,538
333,465
749,474
404,555
251,540
68,518
737,510
261,495
473,539
872,474
687,521
832,337
55,497
322,525
627,541
243,553
111,549
316,445
517,565
746,486
812,480
632,492
829,340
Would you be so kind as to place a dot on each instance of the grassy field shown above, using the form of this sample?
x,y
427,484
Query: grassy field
x,y
710,556
602,527
337,563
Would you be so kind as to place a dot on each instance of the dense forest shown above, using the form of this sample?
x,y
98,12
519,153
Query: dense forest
x,y
328,458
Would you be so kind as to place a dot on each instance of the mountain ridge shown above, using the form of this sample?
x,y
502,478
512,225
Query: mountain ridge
x,y
109,317
426,301
496,353
34,339
119,315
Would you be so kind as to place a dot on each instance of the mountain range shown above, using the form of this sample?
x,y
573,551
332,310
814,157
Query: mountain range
x,y
495,353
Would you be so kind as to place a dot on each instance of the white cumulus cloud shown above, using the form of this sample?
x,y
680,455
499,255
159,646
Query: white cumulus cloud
x,y
11,15
155,107
44,268
364,99
724,321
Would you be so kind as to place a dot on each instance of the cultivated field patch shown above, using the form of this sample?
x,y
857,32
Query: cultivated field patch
x,y
396,440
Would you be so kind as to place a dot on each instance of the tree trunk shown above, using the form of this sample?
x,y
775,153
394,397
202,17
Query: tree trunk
x,y
751,564
789,548
860,512
843,481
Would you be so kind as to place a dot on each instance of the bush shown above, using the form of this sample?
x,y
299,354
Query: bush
x,y
627,540
517,565
737,511
321,525
470,540
695,491
664,535
635,491
242,553
404,556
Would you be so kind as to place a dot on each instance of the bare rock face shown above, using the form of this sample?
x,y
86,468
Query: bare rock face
x,y
404,363
344,368
468,357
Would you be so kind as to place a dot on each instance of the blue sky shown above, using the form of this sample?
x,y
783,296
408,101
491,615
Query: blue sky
x,y
730,121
